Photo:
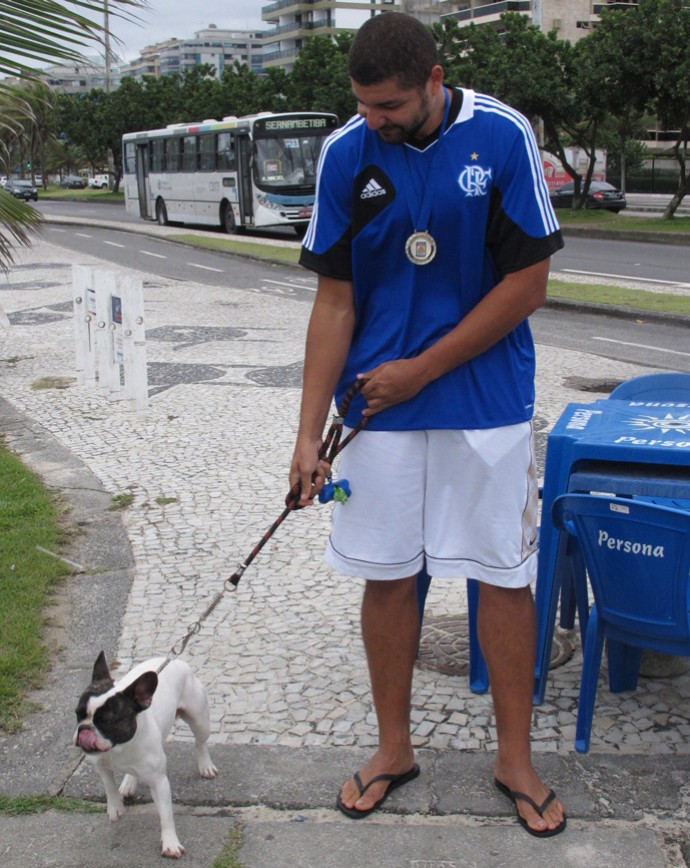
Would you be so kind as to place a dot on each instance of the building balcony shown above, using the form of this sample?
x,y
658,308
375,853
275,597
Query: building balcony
x,y
300,30
491,10
281,5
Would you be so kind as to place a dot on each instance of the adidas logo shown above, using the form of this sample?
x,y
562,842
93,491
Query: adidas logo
x,y
372,189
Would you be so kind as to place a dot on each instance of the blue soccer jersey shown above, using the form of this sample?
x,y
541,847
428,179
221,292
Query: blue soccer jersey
x,y
489,214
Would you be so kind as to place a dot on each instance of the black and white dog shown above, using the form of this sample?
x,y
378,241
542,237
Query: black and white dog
x,y
121,727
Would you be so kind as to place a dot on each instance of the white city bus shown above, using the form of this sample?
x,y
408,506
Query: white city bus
x,y
253,171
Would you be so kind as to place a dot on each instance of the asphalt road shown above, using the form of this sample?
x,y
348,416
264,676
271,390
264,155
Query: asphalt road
x,y
645,262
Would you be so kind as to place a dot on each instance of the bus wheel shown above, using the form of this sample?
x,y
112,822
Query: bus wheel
x,y
161,213
227,219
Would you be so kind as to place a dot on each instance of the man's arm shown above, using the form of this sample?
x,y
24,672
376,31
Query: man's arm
x,y
328,340
511,301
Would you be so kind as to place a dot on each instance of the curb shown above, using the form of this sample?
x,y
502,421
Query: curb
x,y
639,236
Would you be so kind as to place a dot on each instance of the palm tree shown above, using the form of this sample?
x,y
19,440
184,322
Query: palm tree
x,y
35,32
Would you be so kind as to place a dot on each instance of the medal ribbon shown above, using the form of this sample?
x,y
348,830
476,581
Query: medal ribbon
x,y
421,224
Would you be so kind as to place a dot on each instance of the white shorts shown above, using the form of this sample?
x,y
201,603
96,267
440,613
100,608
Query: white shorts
x,y
462,502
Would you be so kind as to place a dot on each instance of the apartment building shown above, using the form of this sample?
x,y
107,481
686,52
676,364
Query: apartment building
x,y
213,45
80,77
290,22
571,19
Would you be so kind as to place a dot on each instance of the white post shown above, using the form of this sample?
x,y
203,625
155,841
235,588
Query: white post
x,y
83,300
134,342
108,370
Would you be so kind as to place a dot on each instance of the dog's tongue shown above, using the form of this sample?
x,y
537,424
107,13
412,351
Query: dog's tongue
x,y
87,739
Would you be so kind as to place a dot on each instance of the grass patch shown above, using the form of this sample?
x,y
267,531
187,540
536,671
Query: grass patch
x,y
609,220
53,383
228,856
86,194
235,245
29,517
619,296
121,501
20,805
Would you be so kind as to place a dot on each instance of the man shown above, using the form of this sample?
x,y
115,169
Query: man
x,y
431,237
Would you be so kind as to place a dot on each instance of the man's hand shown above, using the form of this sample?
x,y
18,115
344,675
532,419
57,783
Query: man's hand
x,y
308,472
391,383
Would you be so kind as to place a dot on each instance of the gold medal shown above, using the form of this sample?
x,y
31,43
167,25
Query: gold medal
x,y
420,248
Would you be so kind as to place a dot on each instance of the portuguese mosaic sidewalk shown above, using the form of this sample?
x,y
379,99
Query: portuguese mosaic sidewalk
x,y
281,656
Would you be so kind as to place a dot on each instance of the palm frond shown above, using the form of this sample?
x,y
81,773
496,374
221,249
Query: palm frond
x,y
20,222
45,31
36,32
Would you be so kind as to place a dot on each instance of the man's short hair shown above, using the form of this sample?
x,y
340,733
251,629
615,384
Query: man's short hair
x,y
393,44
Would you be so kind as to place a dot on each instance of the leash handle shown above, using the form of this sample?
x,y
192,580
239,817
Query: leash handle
x,y
332,446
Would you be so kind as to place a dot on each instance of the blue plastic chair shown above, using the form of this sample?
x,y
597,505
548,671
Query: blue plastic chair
x,y
637,556
663,386
479,675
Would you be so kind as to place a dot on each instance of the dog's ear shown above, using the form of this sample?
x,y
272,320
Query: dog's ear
x,y
141,691
101,673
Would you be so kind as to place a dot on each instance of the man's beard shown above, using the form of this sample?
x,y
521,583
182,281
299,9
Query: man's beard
x,y
396,134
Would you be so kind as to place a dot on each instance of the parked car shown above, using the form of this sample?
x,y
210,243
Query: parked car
x,y
72,182
601,194
22,189
99,182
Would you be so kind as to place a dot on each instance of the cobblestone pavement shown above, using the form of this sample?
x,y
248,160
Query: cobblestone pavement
x,y
206,466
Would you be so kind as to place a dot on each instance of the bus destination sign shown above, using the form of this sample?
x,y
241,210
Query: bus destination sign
x,y
278,125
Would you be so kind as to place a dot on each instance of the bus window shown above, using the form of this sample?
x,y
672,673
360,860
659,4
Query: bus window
x,y
130,158
172,155
189,154
226,152
207,152
289,160
157,155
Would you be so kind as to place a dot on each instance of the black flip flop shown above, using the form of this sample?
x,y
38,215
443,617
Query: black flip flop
x,y
395,782
515,795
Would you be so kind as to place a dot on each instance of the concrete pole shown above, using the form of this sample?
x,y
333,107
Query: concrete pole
x,y
106,25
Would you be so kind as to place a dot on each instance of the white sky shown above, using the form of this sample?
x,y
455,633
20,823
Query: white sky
x,y
182,18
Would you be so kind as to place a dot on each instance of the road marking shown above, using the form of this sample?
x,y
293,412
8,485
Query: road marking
x,y
291,285
157,255
641,346
113,244
626,277
83,235
205,267
53,229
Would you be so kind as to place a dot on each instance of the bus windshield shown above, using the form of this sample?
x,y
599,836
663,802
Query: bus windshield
x,y
287,161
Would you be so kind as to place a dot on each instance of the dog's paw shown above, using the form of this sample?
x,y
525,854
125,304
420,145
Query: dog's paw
x,y
128,787
172,849
116,809
208,770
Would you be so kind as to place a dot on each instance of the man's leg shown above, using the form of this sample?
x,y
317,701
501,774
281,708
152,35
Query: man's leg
x,y
507,635
390,629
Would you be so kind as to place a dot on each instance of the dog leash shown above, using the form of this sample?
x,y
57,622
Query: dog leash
x,y
330,448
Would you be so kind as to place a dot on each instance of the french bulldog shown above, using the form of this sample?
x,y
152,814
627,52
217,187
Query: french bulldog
x,y
121,727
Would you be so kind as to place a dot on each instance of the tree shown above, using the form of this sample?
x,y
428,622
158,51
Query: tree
x,y
533,71
44,31
665,28
319,80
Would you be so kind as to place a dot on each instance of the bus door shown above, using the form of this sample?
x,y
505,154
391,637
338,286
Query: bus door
x,y
244,176
143,180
